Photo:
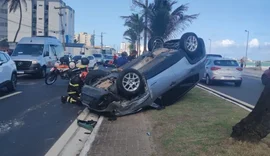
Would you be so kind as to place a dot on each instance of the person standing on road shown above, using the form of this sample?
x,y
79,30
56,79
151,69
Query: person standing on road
x,y
242,62
122,60
132,55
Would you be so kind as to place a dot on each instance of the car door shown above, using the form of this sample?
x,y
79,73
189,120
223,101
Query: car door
x,y
5,69
53,55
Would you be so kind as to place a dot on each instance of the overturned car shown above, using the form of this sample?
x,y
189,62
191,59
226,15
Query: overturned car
x,y
160,76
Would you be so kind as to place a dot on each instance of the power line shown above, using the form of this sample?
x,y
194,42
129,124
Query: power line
x,y
28,25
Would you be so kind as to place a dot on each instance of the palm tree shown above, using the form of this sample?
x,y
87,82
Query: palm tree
x,y
136,23
163,21
14,5
131,36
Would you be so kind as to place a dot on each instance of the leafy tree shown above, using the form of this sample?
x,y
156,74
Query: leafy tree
x,y
131,36
135,23
14,5
163,21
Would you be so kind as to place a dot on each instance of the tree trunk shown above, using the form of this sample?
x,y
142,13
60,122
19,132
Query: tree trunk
x,y
256,125
145,27
20,22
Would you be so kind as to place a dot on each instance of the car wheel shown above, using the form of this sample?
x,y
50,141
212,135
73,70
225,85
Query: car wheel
x,y
130,83
94,75
238,83
42,73
264,79
13,83
190,43
208,81
155,43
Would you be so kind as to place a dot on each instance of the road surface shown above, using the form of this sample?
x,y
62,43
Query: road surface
x,y
33,118
249,91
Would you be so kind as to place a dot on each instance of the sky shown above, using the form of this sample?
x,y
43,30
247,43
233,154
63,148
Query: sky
x,y
222,21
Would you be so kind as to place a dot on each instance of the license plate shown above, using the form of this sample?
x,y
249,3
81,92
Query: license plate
x,y
20,72
227,77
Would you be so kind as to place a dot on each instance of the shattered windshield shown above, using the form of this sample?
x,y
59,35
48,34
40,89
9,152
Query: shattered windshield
x,y
28,49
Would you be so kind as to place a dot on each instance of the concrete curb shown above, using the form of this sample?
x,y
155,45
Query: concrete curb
x,y
91,138
233,100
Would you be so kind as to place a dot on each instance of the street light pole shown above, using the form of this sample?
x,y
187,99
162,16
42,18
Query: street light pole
x,y
210,46
62,24
247,47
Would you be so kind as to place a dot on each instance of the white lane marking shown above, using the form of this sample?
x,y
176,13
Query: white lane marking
x,y
91,138
227,96
9,95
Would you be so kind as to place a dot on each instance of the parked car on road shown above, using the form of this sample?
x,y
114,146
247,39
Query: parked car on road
x,y
266,77
34,55
223,70
164,74
8,72
92,61
108,60
99,58
76,58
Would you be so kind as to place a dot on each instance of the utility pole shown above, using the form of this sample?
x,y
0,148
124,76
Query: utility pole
x,y
210,46
62,24
145,26
247,47
101,43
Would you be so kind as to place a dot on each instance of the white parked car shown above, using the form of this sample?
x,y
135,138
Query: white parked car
x,y
92,61
8,72
223,70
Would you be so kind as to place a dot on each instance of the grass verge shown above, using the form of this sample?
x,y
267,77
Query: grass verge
x,y
201,124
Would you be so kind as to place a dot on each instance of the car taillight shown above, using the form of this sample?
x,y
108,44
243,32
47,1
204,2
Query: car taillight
x,y
239,69
215,68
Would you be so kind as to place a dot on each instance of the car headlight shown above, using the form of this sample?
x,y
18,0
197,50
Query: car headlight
x,y
72,65
34,62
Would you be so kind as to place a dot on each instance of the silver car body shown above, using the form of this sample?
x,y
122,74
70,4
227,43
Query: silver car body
x,y
99,58
92,61
222,69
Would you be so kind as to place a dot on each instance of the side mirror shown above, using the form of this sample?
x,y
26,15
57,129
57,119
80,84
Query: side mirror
x,y
46,54
1,63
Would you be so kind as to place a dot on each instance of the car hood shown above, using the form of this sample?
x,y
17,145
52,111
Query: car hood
x,y
25,58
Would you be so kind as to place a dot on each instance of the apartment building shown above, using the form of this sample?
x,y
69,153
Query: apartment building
x,y
84,38
39,18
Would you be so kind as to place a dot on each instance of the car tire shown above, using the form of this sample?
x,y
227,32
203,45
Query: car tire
x,y
238,83
191,44
127,77
153,41
264,79
94,75
42,73
208,81
13,83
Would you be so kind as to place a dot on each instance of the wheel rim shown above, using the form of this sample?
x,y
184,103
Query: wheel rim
x,y
207,79
14,81
191,43
51,79
157,44
131,82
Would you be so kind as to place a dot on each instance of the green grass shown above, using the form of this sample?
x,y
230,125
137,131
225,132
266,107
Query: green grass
x,y
201,124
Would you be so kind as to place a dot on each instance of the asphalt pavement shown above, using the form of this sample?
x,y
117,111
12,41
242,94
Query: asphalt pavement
x,y
249,91
33,118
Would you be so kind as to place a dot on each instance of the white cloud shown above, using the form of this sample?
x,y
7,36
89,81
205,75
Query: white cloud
x,y
254,43
224,43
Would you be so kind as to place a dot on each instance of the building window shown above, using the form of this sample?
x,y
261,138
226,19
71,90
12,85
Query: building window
x,y
34,33
40,32
40,5
47,7
35,6
40,18
65,12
